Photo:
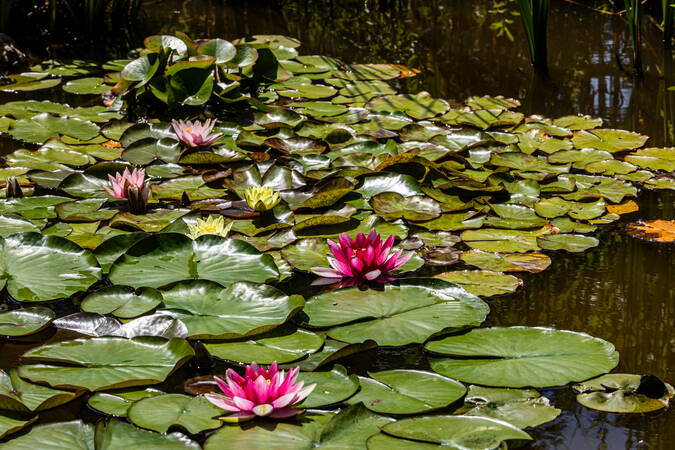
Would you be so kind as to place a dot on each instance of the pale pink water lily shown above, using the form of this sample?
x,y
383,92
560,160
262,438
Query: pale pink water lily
x,y
194,133
121,181
260,393
361,260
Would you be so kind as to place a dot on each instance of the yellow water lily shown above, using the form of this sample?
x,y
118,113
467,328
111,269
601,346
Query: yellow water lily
x,y
262,198
212,225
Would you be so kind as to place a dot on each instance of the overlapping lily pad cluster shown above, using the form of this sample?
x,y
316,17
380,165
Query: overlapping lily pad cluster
x,y
311,148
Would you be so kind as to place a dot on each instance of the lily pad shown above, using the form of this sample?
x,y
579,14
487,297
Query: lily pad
x,y
161,412
624,393
20,322
331,387
64,267
391,205
509,241
407,391
507,262
122,301
570,242
118,403
168,257
653,230
419,106
105,363
17,394
9,425
116,434
609,140
90,85
41,127
282,345
482,282
55,436
465,432
520,407
212,312
522,356
409,312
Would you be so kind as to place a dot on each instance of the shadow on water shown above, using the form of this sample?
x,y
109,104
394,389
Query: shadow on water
x,y
621,291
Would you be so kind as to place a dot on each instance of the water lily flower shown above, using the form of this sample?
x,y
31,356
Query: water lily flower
x,y
212,225
262,198
361,260
131,186
260,393
194,133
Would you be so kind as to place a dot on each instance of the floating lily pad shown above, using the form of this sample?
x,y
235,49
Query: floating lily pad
x,y
348,429
522,356
161,412
17,394
507,262
419,106
407,391
482,282
331,387
165,258
212,312
41,127
29,81
465,432
405,313
90,85
9,425
54,436
116,434
105,363
331,351
570,242
122,301
118,403
520,407
624,393
20,322
391,205
653,230
282,345
493,240
609,140
654,159
65,268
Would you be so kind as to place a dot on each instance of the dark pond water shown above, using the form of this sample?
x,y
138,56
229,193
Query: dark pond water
x,y
621,291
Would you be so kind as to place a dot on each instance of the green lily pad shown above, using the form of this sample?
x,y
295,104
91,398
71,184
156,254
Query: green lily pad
x,y
118,403
493,240
419,106
65,268
520,407
482,282
609,140
624,393
43,126
105,363
522,356
331,387
348,429
20,322
116,434
29,81
17,394
409,312
653,158
465,432
506,262
284,344
570,242
91,85
455,221
212,312
111,249
307,253
407,391
392,205
12,223
331,351
122,301
9,425
555,207
161,412
168,257
55,436
578,122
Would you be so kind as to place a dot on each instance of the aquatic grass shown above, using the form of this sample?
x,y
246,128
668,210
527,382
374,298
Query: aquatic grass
x,y
634,11
534,14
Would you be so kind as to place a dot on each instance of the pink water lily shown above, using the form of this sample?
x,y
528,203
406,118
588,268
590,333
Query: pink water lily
x,y
260,393
361,260
123,180
194,133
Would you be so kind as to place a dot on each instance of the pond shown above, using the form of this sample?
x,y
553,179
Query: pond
x,y
619,289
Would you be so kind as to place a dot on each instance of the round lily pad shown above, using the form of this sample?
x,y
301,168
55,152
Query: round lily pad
x,y
17,394
482,282
624,393
118,403
331,387
168,257
20,322
105,363
506,262
54,436
122,301
64,267
401,314
407,391
161,412
522,356
212,312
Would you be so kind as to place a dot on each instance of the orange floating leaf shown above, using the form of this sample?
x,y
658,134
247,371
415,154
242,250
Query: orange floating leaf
x,y
112,144
653,230
406,72
623,208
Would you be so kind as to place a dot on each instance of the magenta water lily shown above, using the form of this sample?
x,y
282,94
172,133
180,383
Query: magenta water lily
x,y
361,260
270,393
196,134
132,187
